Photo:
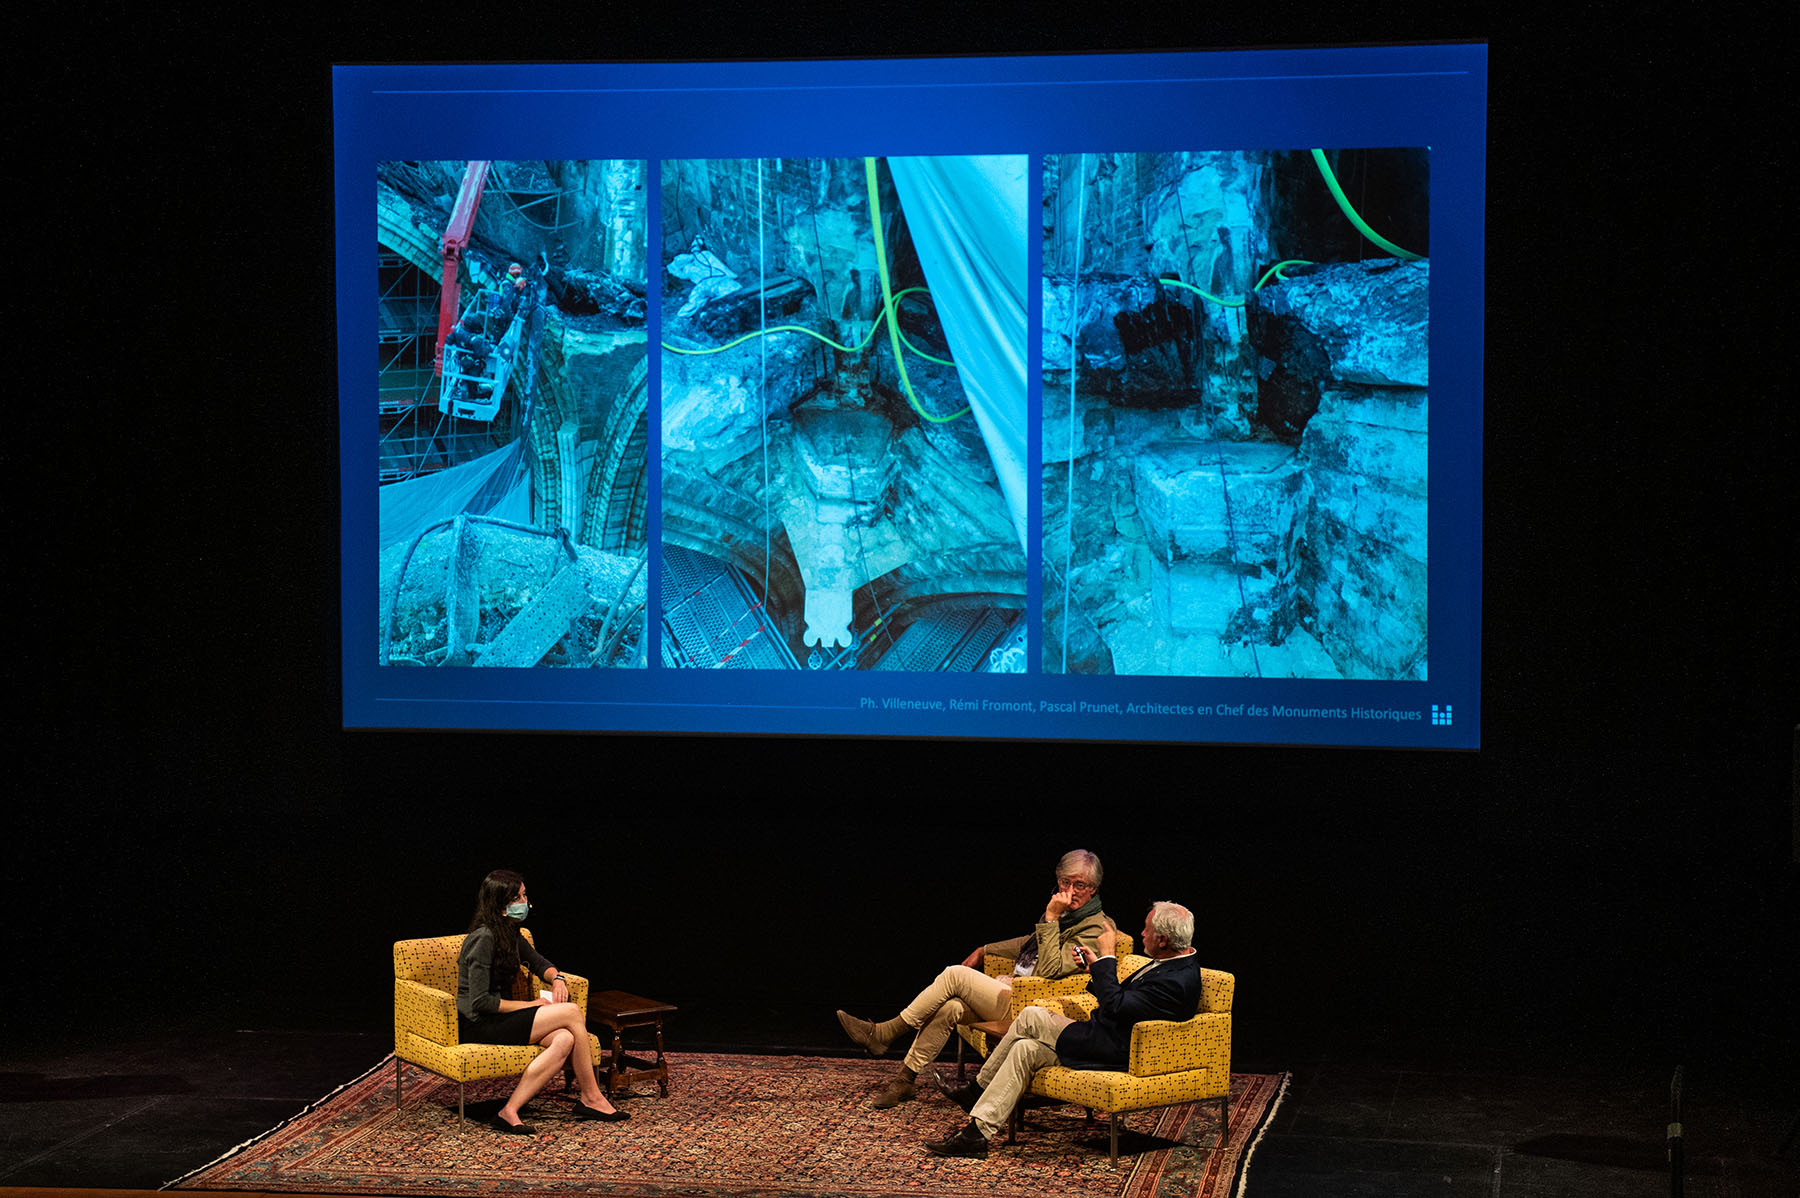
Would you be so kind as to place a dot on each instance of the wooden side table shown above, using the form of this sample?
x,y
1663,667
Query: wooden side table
x,y
618,1011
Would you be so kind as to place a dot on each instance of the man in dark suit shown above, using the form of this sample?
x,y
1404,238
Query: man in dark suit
x,y
1167,988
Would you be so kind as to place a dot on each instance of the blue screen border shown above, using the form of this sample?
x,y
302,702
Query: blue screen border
x,y
1434,96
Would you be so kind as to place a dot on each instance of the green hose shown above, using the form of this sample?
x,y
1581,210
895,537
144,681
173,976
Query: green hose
x,y
780,328
1236,303
888,300
794,328
1273,272
1362,226
916,351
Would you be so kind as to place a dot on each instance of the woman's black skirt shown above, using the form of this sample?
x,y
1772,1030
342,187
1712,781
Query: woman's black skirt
x,y
514,1027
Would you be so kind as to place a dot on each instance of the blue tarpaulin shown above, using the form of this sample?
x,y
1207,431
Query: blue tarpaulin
x,y
496,484
967,219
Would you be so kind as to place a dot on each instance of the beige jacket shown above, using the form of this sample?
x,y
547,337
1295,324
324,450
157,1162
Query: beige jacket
x,y
1054,959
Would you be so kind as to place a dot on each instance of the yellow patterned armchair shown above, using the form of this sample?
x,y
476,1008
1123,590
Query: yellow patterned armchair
x,y
1026,992
425,1028
1172,1061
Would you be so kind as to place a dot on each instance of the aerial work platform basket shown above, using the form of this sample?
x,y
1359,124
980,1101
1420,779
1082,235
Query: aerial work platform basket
x,y
473,387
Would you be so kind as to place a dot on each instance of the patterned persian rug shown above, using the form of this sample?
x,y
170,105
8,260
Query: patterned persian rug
x,y
751,1126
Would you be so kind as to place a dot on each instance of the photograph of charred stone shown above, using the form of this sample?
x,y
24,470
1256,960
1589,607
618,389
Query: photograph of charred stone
x,y
513,405
1235,413
844,413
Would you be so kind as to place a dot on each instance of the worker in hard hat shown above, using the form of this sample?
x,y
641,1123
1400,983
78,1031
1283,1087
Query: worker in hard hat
x,y
504,302
473,350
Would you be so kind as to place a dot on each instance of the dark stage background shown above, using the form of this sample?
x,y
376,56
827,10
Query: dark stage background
x,y
195,840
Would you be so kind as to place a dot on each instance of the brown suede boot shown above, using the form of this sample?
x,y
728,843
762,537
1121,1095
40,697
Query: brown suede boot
x,y
873,1036
900,1089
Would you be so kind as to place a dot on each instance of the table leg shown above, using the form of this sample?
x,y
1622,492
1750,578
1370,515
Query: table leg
x,y
662,1069
616,1070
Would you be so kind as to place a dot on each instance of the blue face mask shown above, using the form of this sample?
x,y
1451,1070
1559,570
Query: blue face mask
x,y
518,911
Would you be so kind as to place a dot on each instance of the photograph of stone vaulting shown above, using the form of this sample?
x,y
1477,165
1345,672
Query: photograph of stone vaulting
x,y
512,423
1235,384
844,413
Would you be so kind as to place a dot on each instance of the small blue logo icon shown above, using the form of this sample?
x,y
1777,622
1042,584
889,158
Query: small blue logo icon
x,y
1440,716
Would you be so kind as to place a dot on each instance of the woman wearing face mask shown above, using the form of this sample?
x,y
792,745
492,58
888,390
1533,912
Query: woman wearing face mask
x,y
491,954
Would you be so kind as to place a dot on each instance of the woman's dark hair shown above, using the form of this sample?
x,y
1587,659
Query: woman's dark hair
x,y
499,889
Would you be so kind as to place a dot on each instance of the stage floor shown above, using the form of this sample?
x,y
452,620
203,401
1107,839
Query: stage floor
x,y
1369,1112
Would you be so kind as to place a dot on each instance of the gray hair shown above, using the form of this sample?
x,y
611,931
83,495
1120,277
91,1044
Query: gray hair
x,y
1080,860
1174,923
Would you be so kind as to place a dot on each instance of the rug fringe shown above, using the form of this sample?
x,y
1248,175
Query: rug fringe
x,y
1243,1168
261,1136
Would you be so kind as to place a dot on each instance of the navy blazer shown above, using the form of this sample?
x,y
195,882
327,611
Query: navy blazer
x,y
1170,991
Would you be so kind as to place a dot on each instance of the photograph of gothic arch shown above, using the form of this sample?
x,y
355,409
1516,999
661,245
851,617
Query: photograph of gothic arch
x,y
512,413
844,413
1235,415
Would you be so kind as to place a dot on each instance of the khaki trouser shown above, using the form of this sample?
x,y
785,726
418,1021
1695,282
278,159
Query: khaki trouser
x,y
960,995
1028,1046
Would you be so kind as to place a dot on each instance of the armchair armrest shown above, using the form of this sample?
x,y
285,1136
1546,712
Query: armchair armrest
x,y
425,1011
1160,1046
578,987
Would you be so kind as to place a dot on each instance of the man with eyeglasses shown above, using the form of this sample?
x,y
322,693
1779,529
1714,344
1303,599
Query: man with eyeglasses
x,y
1072,919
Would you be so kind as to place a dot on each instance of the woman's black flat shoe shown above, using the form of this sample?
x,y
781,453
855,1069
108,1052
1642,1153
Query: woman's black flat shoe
x,y
512,1129
584,1111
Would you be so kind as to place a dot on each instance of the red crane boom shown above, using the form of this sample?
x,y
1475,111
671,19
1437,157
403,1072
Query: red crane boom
x,y
456,240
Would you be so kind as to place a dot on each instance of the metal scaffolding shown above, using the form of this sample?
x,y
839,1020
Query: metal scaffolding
x,y
415,438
